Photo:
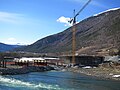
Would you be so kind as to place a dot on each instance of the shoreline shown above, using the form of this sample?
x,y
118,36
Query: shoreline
x,y
24,70
100,73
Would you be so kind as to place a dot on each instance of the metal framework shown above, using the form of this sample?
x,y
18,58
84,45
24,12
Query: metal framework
x,y
73,21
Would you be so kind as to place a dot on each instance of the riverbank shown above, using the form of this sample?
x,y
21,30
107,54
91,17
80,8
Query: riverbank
x,y
24,70
99,72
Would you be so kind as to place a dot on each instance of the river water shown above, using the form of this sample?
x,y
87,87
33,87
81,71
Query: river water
x,y
55,80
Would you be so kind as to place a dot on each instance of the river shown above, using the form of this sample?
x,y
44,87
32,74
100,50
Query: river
x,y
55,80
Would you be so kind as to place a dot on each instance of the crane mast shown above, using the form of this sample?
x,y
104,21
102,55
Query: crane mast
x,y
73,21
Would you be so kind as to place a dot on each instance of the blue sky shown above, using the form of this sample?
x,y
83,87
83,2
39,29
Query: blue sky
x,y
26,21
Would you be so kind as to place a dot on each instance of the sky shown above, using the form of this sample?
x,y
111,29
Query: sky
x,y
26,21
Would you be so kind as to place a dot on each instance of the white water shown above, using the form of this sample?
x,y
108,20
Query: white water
x,y
17,83
55,81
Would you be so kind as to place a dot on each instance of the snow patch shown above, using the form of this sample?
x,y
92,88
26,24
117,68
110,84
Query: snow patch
x,y
116,76
87,67
113,9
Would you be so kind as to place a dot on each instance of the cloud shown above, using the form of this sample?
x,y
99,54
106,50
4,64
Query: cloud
x,y
93,2
98,4
10,17
64,20
17,19
78,1
11,39
14,41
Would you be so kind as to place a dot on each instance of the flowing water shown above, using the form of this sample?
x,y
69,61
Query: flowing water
x,y
54,80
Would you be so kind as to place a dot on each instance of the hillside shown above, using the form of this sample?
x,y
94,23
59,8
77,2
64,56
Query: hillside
x,y
96,35
6,47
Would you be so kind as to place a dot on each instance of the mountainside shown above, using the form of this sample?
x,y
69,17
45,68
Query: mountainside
x,y
93,35
5,47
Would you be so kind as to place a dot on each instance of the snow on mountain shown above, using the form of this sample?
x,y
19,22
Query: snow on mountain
x,y
106,11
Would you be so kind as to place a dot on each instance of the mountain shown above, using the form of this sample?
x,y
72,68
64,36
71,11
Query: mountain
x,y
95,35
6,47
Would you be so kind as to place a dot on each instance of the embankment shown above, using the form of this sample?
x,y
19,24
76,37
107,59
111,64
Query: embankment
x,y
101,73
24,70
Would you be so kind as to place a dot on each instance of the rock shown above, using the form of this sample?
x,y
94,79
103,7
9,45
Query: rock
x,y
24,70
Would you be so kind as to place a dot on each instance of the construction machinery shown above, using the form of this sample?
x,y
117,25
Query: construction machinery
x,y
73,21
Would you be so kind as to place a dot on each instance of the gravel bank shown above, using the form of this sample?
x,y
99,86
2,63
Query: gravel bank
x,y
102,73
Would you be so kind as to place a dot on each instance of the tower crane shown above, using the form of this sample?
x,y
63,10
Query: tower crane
x,y
73,21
